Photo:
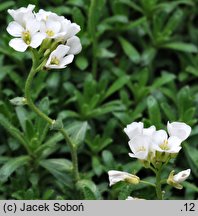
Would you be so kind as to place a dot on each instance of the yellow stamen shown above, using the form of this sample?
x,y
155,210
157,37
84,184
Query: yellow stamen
x,y
141,148
26,37
55,61
164,145
50,33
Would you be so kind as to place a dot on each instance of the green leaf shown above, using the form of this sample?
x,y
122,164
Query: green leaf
x,y
117,85
11,166
192,157
108,107
154,111
184,101
59,168
95,11
12,130
190,186
82,62
89,189
181,46
108,159
130,50
164,79
78,17
96,165
22,116
6,5
171,116
77,131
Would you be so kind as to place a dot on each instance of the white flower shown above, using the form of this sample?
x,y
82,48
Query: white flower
x,y
51,28
161,142
43,15
55,26
69,28
175,180
51,24
179,129
27,35
181,176
117,176
74,44
149,131
140,146
134,129
22,14
137,128
59,58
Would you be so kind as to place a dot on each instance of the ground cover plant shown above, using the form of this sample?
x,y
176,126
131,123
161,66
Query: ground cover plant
x,y
71,93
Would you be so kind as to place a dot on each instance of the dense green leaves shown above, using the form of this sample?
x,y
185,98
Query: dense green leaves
x,y
12,165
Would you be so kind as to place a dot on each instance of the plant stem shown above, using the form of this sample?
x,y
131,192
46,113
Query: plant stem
x,y
32,106
158,185
147,183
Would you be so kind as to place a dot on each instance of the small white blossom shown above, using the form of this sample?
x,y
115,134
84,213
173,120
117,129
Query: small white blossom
x,y
74,44
175,180
26,36
140,146
22,14
69,28
43,15
161,142
181,176
179,129
59,58
134,129
137,128
117,176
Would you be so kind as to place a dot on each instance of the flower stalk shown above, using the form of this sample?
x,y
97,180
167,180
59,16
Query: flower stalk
x,y
158,185
50,121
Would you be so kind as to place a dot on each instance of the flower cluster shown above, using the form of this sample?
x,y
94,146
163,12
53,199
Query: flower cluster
x,y
151,145
47,30
154,148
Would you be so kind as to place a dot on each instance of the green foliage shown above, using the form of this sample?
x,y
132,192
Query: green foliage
x,y
138,63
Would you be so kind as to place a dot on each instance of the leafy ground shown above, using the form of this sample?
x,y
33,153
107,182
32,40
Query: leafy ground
x,y
139,63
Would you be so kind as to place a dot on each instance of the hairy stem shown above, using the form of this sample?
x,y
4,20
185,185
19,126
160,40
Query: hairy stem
x,y
50,121
158,185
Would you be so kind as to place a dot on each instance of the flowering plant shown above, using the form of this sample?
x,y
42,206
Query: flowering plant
x,y
154,149
53,43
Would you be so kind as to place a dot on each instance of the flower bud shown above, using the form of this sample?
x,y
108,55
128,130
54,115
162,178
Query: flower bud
x,y
117,176
18,101
175,180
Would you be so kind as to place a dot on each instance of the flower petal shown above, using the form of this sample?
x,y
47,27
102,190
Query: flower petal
x,y
18,44
74,44
149,131
179,129
37,39
67,60
73,29
140,145
60,51
15,29
134,129
53,25
181,176
159,137
33,26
